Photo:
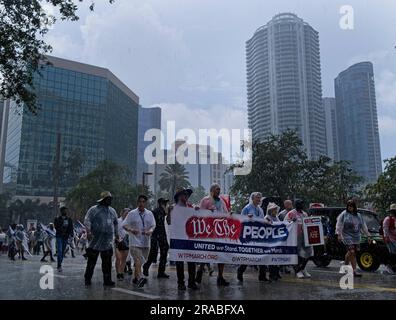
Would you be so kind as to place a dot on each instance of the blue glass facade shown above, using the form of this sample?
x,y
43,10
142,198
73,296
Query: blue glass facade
x,y
96,118
357,120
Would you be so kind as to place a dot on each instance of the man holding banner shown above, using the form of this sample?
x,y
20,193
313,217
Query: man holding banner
x,y
181,200
253,210
216,204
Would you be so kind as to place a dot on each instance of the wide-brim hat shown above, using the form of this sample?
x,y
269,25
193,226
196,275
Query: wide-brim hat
x,y
188,192
271,206
104,195
392,208
162,200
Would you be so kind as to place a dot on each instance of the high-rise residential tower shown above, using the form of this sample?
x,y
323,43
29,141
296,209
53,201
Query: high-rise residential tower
x,y
284,82
331,128
357,120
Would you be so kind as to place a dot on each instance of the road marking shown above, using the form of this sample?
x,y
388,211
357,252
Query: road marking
x,y
336,284
59,276
139,294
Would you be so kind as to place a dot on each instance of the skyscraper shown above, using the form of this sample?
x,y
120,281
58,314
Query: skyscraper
x,y
331,128
357,120
88,110
284,82
149,118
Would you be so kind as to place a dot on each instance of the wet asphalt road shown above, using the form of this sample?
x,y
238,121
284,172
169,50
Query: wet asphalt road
x,y
20,280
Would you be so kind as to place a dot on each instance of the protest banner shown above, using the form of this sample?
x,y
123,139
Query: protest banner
x,y
313,231
202,236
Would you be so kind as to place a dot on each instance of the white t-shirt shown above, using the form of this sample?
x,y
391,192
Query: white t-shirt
x,y
139,221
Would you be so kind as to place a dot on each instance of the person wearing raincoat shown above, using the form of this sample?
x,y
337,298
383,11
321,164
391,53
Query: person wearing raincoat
x,y
304,252
253,210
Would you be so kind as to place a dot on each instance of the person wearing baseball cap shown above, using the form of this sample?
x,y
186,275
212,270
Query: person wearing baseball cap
x,y
101,223
390,235
159,240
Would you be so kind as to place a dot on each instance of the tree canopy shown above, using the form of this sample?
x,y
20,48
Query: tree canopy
x,y
23,26
280,168
382,193
107,176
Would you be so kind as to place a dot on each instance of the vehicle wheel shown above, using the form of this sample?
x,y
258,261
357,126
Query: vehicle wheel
x,y
322,261
368,261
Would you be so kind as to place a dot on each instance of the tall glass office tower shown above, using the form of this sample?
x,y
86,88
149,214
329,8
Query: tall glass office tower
x,y
284,82
357,120
92,112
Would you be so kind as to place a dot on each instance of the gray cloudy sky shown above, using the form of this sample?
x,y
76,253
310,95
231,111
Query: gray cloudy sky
x,y
188,56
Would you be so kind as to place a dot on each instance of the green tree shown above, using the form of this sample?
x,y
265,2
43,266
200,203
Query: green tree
x,y
280,168
382,193
276,166
330,183
23,26
174,176
198,194
106,176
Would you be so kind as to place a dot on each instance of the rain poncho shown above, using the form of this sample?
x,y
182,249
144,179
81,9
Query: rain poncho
x,y
102,222
350,226
303,251
251,209
269,218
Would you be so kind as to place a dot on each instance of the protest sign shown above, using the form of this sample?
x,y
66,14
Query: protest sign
x,y
313,231
202,236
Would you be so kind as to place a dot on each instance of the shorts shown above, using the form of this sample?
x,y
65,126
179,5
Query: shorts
x,y
354,247
139,253
121,246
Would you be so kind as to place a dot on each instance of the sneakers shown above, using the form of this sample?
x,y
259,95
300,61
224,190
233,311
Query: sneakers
x,y
44,260
135,281
300,275
193,286
163,276
52,260
198,278
388,269
120,277
60,269
221,282
263,278
87,282
109,284
306,274
145,271
141,282
181,286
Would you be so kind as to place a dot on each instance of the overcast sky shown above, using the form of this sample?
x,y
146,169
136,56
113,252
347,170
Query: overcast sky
x,y
188,56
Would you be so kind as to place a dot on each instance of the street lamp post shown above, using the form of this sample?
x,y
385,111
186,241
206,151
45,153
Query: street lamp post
x,y
143,180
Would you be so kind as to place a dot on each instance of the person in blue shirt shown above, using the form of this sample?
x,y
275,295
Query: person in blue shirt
x,y
254,211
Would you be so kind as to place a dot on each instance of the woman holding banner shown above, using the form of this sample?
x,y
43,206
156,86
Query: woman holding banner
x,y
270,218
253,210
304,253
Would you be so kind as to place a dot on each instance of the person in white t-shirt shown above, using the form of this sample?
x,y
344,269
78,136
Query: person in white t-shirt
x,y
140,224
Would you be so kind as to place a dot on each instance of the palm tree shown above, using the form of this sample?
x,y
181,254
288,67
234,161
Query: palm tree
x,y
174,176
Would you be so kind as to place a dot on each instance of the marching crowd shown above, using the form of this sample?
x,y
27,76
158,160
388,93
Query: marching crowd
x,y
137,235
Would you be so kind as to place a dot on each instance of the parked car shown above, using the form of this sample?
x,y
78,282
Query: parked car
x,y
371,255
